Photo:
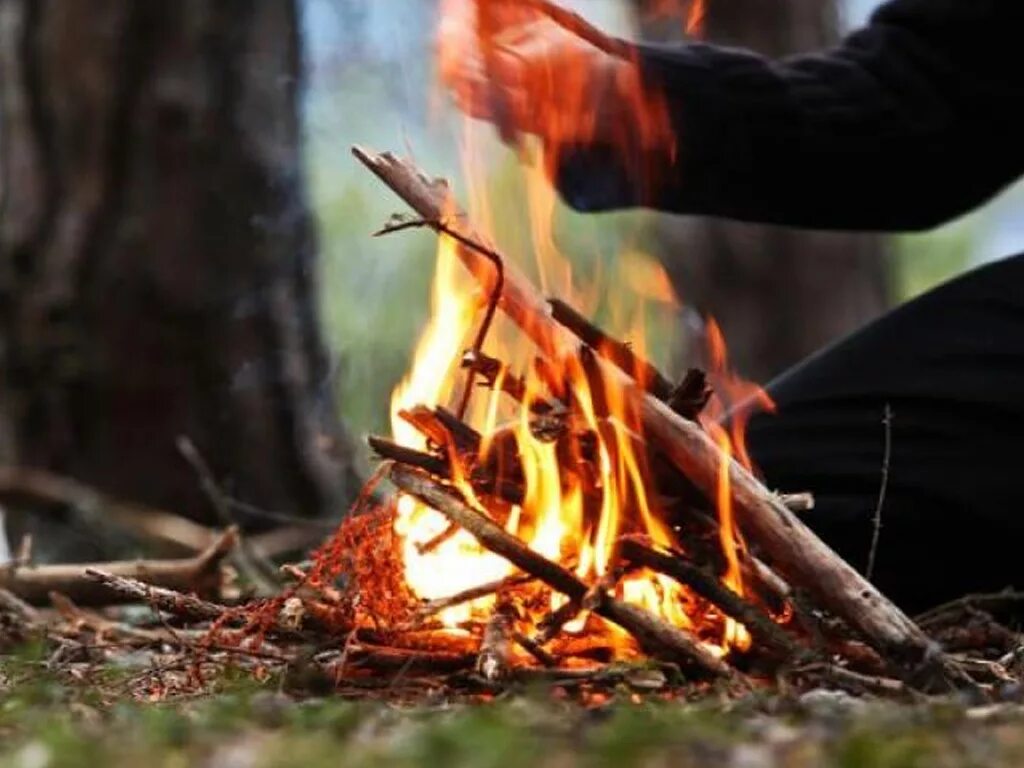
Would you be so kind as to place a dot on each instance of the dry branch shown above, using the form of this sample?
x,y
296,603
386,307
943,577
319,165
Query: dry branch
x,y
657,637
132,590
201,574
474,593
792,548
616,352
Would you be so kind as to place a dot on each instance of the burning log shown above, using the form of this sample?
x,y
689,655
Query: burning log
x,y
657,637
801,557
679,567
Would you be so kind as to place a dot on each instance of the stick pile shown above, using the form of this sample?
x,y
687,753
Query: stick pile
x,y
785,559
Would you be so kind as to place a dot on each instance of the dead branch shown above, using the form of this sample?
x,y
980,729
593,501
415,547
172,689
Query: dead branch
x,y
201,574
474,593
616,352
676,565
793,549
876,523
657,637
14,605
132,590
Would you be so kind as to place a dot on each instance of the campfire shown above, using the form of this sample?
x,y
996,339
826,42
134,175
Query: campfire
x,y
560,506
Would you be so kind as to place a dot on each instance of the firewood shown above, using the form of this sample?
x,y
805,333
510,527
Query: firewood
x,y
692,394
616,352
676,565
792,548
428,462
474,593
201,574
656,637
484,482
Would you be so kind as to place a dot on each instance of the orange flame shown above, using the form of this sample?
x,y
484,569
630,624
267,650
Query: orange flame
x,y
588,483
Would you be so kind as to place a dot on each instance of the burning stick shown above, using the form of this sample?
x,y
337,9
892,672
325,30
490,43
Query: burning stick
x,y
617,352
473,593
793,548
657,637
680,568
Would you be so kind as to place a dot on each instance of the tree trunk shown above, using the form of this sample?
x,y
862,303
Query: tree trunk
x,y
157,260
779,294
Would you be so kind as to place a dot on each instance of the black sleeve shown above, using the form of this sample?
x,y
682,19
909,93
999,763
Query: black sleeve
x,y
909,122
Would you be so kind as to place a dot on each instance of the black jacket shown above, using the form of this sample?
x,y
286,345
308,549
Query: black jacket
x,y
909,122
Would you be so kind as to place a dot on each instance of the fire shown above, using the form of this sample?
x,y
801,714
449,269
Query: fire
x,y
586,483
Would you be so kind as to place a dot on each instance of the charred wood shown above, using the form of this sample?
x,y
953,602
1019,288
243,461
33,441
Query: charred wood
x,y
657,637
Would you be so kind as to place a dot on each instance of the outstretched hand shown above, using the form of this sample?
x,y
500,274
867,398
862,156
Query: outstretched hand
x,y
526,74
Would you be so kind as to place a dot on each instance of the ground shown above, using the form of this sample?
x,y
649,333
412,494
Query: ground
x,y
46,721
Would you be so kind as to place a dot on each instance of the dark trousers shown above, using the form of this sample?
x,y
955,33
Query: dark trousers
x,y
950,366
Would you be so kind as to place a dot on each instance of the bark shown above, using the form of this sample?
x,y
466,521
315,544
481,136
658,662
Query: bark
x,y
779,294
157,259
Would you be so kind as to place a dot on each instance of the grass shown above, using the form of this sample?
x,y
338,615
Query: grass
x,y
46,720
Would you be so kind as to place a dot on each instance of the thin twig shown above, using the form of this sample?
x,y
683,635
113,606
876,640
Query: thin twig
x,y
876,531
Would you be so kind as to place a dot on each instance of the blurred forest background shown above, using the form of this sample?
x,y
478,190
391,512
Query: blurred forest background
x,y
187,251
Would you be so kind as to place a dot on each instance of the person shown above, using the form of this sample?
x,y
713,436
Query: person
x,y
908,122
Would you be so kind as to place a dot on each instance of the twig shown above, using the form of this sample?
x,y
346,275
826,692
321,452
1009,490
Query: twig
x,y
876,529
200,573
616,352
494,296
474,593
260,572
984,600
531,647
169,600
13,604
847,678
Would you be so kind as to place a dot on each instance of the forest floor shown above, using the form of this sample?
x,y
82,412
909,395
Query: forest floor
x,y
49,720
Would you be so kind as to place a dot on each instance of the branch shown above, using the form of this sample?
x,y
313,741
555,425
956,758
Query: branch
x,y
657,637
201,574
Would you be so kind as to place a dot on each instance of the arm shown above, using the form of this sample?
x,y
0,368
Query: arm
x,y
911,121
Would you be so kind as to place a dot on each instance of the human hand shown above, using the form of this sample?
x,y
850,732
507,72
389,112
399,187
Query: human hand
x,y
527,74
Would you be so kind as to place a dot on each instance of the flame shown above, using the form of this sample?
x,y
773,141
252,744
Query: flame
x,y
561,94
587,484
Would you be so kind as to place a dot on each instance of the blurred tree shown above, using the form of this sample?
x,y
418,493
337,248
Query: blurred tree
x,y
157,271
779,294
